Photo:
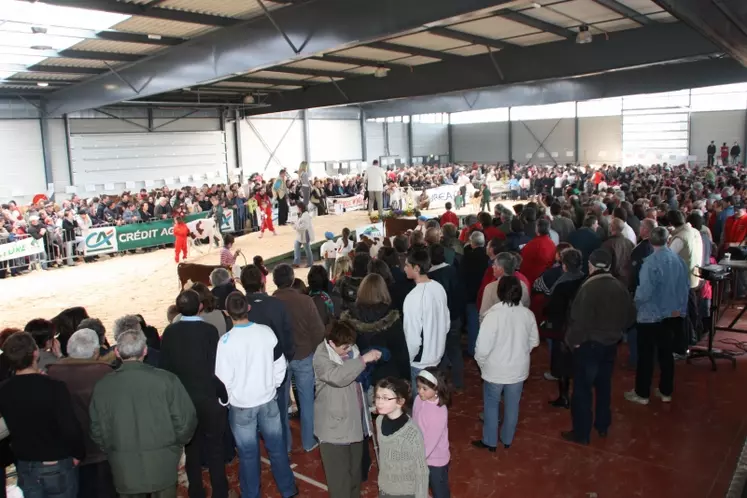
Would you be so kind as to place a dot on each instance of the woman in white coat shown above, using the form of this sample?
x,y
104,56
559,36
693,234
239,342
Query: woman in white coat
x,y
508,333
304,236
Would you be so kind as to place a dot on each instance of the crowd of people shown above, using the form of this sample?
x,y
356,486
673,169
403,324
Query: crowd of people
x,y
588,259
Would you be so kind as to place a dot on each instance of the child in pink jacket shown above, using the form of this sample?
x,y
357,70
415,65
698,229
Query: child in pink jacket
x,y
430,414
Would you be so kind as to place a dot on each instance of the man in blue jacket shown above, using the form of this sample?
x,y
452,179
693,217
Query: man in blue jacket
x,y
661,302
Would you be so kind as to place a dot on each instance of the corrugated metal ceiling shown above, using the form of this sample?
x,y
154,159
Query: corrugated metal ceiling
x,y
116,47
152,26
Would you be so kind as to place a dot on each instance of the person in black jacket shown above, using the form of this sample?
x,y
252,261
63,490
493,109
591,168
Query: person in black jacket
x,y
473,268
188,350
271,311
448,276
378,325
396,280
711,152
223,285
46,437
347,287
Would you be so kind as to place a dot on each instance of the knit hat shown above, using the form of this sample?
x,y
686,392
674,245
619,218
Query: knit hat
x,y
601,259
329,235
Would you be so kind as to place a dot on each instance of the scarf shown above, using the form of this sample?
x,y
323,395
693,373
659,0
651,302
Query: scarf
x,y
325,299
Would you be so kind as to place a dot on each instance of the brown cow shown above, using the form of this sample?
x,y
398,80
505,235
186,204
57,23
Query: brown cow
x,y
196,273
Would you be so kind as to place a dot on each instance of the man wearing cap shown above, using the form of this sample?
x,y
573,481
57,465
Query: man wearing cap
x,y
280,192
328,252
601,311
375,180
661,299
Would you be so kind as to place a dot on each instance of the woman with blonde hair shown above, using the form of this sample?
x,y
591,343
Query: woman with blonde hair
x,y
343,268
305,181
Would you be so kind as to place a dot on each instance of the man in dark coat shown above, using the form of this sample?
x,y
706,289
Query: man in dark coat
x,y
188,350
472,269
141,417
586,239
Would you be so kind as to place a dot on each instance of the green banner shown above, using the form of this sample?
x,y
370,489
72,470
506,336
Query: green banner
x,y
154,233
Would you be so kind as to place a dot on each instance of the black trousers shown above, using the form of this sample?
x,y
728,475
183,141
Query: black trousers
x,y
710,159
95,480
593,364
283,211
342,468
656,340
208,441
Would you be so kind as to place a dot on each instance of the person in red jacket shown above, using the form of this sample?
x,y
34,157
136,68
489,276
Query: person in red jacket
x,y
724,154
539,254
181,232
735,228
266,218
449,217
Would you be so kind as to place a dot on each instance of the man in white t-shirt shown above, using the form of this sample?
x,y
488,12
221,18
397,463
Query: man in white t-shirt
x,y
426,315
328,252
375,181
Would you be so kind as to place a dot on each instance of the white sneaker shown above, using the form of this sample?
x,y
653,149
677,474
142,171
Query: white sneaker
x,y
633,396
664,399
550,376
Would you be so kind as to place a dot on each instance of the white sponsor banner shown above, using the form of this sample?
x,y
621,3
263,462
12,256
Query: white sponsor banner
x,y
100,241
21,248
227,221
353,203
438,196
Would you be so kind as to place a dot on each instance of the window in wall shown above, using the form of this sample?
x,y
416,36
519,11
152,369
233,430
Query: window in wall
x,y
405,119
549,111
498,114
380,120
719,98
657,135
680,98
600,107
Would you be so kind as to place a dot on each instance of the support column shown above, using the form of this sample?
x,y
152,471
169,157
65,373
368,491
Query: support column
x,y
364,152
744,143
575,135
451,143
306,145
47,153
236,130
69,150
150,118
409,140
510,138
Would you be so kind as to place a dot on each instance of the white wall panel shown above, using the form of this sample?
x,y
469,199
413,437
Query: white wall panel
x,y
430,138
107,125
335,140
59,159
186,124
114,159
398,140
375,143
480,142
285,135
719,126
231,158
600,140
558,137
22,166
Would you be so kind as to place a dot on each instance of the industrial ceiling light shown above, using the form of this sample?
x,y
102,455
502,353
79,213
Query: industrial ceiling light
x,y
41,47
584,35
154,37
381,72
42,83
248,99
38,30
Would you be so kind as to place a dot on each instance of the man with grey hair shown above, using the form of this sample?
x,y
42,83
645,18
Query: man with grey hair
x,y
223,285
472,269
661,301
141,417
80,372
621,248
123,323
504,263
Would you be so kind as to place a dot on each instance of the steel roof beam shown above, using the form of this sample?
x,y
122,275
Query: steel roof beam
x,y
269,81
648,45
133,9
356,61
316,27
624,11
139,38
312,72
423,52
536,23
38,68
469,38
70,53
716,20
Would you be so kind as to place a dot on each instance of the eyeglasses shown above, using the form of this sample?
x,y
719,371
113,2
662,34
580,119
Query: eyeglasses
x,y
382,398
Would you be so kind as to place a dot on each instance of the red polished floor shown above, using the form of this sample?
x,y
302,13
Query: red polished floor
x,y
684,449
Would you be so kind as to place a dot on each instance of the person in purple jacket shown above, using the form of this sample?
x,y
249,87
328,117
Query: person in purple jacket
x,y
430,414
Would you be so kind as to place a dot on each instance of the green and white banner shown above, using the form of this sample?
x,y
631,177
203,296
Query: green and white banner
x,y
21,248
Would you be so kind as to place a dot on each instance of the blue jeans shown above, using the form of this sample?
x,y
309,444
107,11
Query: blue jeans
x,y
453,354
632,340
438,481
247,425
473,327
592,370
283,404
58,480
297,253
491,404
303,376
